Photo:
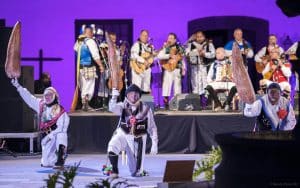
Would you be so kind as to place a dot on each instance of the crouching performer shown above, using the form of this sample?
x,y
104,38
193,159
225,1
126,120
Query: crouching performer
x,y
136,120
53,123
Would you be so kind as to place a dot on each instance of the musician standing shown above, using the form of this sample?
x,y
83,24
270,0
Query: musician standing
x,y
244,46
104,91
142,78
200,53
263,53
87,48
174,68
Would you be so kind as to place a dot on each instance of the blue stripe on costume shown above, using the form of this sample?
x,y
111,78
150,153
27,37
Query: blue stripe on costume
x,y
229,45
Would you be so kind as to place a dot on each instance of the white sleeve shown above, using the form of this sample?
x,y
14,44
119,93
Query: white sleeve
x,y
93,47
115,107
135,53
260,54
228,53
152,129
286,71
76,45
162,54
250,53
266,69
292,49
210,73
212,52
253,110
188,49
29,99
62,125
281,50
291,120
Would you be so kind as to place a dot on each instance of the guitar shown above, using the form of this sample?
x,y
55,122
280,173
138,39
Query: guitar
x,y
139,67
260,66
171,64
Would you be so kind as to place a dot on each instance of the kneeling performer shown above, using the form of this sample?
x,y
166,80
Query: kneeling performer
x,y
136,120
54,122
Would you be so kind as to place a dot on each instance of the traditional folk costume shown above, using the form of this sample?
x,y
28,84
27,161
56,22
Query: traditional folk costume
x,y
141,79
243,45
276,117
131,136
280,75
199,66
265,51
87,52
54,122
174,74
220,78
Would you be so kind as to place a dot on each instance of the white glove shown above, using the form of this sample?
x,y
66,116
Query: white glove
x,y
15,83
115,93
153,149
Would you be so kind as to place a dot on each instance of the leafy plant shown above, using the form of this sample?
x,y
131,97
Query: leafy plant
x,y
65,177
111,183
207,164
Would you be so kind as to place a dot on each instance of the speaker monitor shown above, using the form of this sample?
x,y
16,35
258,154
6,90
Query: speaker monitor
x,y
185,102
179,171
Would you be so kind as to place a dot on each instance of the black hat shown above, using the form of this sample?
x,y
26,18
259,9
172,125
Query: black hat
x,y
134,88
274,85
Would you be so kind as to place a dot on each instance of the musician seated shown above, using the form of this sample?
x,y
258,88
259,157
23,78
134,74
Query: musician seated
x,y
220,78
278,70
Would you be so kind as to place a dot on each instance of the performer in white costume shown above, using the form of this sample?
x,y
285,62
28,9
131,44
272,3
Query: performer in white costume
x,y
201,53
136,120
54,122
273,111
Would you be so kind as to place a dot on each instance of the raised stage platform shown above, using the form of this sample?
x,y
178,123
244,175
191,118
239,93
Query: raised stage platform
x,y
178,131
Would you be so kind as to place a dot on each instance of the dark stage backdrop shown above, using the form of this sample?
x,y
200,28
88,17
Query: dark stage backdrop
x,y
176,133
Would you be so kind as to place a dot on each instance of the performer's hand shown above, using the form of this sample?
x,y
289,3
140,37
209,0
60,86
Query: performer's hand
x,y
115,93
154,149
101,68
15,83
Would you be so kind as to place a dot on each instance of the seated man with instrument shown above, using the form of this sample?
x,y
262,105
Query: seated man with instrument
x,y
220,78
136,120
278,70
200,53
54,123
263,56
174,68
141,60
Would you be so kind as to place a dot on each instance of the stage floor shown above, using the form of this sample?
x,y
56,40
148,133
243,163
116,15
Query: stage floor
x,y
25,171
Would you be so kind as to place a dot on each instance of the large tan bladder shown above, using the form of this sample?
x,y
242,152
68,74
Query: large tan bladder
x,y
241,77
13,57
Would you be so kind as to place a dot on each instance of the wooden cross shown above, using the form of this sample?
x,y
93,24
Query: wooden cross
x,y
41,60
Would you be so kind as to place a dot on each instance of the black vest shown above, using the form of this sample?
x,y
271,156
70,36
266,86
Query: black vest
x,y
141,126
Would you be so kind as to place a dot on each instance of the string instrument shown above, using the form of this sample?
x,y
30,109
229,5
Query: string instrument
x,y
139,67
226,73
269,74
116,77
260,66
171,63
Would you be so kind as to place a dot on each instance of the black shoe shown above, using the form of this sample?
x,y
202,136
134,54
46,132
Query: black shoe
x,y
60,156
